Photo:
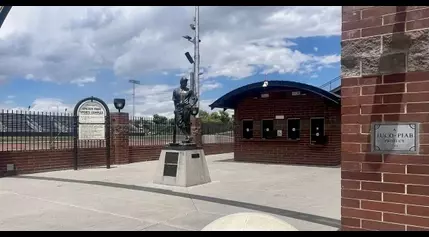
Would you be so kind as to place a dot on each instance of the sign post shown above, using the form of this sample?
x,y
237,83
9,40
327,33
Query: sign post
x,y
92,123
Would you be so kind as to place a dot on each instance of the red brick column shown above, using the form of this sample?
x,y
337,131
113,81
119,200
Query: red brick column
x,y
385,70
196,131
120,138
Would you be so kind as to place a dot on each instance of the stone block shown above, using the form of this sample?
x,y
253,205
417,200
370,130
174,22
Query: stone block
x,y
396,43
367,47
350,67
418,55
370,66
392,63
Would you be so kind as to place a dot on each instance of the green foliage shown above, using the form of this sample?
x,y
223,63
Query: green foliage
x,y
215,117
158,119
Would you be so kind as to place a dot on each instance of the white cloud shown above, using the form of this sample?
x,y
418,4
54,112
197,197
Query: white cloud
x,y
82,81
316,49
10,96
209,85
41,105
66,44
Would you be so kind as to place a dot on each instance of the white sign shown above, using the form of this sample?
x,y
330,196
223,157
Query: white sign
x,y
395,137
91,112
92,132
280,117
279,133
92,118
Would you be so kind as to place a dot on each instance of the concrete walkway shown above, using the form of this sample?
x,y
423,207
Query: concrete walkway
x,y
124,197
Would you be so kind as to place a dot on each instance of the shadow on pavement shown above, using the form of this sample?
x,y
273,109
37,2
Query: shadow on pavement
x,y
272,210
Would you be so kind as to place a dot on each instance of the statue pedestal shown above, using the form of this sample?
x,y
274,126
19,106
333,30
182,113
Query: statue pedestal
x,y
182,165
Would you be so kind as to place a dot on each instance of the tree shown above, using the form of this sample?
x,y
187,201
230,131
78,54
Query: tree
x,y
224,117
158,119
171,121
221,117
215,117
204,115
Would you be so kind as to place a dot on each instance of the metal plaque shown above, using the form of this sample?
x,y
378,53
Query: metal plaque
x,y
171,157
170,170
195,156
400,138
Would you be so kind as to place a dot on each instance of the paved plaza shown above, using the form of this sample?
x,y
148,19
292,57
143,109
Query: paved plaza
x,y
124,197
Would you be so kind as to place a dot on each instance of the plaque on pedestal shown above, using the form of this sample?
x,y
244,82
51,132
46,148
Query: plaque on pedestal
x,y
182,165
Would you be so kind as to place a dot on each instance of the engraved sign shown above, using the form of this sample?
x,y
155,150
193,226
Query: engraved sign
x,y
91,131
92,116
91,112
395,138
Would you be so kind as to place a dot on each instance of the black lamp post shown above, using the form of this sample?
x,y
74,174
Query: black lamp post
x,y
119,104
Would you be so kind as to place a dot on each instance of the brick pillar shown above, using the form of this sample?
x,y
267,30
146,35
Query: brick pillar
x,y
120,138
385,70
196,131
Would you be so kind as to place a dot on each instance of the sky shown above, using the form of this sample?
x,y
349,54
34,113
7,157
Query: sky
x,y
52,57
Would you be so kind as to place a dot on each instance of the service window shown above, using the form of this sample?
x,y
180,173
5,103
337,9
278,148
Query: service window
x,y
317,129
247,129
268,129
293,128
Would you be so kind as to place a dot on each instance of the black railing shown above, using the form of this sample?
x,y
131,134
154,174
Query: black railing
x,y
217,132
149,132
332,84
29,130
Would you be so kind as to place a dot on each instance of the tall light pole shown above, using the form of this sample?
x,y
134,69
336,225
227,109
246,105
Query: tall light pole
x,y
134,82
195,77
197,56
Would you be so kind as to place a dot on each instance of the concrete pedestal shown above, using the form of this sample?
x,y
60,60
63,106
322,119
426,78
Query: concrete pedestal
x,y
182,165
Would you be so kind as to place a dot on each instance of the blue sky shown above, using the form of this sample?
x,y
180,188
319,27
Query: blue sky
x,y
48,80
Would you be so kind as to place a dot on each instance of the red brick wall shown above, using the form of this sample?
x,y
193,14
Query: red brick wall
x,y
40,161
145,153
50,160
281,150
385,69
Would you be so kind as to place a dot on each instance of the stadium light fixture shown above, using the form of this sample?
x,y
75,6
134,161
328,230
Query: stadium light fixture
x,y
119,104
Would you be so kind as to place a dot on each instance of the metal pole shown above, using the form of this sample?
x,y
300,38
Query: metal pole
x,y
197,55
134,97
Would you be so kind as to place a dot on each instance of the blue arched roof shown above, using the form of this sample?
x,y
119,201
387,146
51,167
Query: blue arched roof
x,y
230,100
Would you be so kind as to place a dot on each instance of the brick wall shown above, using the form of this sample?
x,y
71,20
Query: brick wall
x,y
146,153
50,160
46,160
281,150
385,70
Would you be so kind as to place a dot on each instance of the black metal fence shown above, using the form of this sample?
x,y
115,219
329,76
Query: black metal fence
x,y
150,132
30,130
217,132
